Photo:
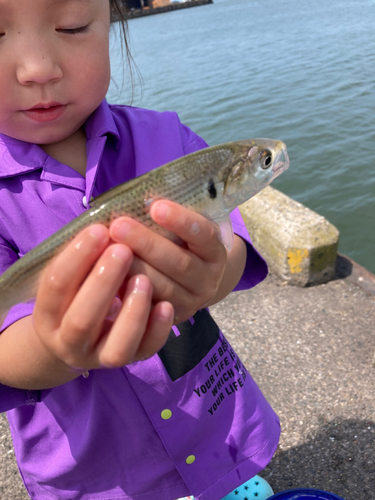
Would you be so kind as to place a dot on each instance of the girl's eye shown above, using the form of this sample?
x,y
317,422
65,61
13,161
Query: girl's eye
x,y
74,31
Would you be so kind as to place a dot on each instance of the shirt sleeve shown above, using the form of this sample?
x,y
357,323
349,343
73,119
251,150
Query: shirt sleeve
x,y
256,268
8,257
9,396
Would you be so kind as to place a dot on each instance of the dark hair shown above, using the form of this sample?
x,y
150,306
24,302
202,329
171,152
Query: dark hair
x,y
118,14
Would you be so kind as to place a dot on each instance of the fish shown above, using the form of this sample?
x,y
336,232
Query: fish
x,y
211,181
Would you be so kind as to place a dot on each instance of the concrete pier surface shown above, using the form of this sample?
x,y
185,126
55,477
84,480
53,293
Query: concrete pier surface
x,y
310,350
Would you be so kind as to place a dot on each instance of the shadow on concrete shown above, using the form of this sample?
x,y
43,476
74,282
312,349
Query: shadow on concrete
x,y
356,274
339,458
344,267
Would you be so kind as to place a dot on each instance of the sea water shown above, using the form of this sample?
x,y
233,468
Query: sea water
x,y
295,70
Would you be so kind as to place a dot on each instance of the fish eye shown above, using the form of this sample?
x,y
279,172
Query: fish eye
x,y
265,159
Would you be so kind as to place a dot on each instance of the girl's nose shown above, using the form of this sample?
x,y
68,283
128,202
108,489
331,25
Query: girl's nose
x,y
38,66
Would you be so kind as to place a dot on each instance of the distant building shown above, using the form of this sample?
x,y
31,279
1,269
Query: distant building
x,y
160,3
142,4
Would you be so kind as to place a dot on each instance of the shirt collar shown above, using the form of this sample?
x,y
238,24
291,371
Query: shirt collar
x,y
19,157
102,123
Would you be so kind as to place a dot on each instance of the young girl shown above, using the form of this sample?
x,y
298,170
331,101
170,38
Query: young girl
x,y
105,398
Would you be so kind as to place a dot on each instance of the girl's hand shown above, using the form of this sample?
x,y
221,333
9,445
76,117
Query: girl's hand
x,y
187,276
79,291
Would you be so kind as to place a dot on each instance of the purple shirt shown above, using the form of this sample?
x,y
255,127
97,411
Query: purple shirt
x,y
189,420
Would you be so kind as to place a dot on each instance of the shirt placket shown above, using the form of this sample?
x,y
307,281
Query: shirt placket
x,y
95,149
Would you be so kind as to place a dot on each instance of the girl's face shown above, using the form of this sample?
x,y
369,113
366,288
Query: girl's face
x,y
54,66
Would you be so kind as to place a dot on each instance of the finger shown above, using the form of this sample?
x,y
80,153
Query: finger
x,y
157,332
201,234
63,277
83,322
157,253
184,301
121,344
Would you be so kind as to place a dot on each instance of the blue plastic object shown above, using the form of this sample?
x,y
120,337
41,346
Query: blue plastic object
x,y
305,494
256,488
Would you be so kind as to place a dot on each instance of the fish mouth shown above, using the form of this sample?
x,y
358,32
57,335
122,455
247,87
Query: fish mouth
x,y
281,161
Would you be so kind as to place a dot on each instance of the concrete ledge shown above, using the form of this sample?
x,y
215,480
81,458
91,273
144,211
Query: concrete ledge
x,y
299,245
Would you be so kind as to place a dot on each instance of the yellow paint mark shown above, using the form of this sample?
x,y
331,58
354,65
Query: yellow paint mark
x,y
295,258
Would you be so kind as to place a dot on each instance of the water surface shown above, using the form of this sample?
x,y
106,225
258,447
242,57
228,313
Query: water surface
x,y
294,70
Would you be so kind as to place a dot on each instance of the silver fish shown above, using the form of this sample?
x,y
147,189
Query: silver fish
x,y
212,182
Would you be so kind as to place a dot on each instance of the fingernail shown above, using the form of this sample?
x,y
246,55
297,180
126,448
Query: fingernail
x,y
120,252
97,231
141,284
162,210
120,229
195,228
166,312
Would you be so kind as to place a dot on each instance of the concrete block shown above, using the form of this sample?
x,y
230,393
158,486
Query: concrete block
x,y
299,245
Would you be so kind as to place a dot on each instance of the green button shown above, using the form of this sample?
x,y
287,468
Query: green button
x,y
166,414
190,459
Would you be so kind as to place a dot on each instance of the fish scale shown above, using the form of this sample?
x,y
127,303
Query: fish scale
x,y
211,181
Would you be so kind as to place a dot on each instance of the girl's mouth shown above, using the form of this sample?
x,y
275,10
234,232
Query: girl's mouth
x,y
45,112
